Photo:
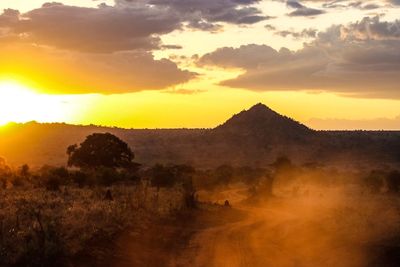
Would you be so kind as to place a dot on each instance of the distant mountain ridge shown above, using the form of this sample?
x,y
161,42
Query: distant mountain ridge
x,y
252,137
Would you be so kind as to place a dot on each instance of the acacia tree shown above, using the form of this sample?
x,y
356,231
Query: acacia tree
x,y
101,150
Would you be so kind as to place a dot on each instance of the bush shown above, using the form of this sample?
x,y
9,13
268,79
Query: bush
x,y
374,181
52,183
107,176
393,182
80,178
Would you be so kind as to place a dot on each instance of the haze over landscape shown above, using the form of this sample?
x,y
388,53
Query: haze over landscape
x,y
201,133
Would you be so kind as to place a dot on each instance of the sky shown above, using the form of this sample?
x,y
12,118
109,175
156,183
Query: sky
x,y
194,63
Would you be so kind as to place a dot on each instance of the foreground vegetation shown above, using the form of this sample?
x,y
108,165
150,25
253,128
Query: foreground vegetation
x,y
40,227
60,214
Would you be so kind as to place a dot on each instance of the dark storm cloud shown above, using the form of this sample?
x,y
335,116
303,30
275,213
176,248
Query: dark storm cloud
x,y
360,59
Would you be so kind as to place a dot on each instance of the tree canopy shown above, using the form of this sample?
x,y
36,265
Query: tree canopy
x,y
101,150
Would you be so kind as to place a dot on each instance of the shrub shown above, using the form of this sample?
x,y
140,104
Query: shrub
x,y
393,181
374,181
80,178
52,183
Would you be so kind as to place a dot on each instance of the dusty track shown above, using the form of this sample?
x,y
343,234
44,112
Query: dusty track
x,y
271,236
318,231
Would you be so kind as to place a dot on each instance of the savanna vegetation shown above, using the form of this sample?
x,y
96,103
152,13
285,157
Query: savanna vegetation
x,y
73,215
50,215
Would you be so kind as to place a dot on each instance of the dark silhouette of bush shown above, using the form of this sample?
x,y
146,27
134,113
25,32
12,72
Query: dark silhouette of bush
x,y
107,176
80,178
393,181
374,181
24,170
51,178
224,174
52,183
168,176
101,150
60,172
282,164
5,170
44,245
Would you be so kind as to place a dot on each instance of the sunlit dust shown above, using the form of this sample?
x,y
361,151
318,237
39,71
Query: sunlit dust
x,y
19,103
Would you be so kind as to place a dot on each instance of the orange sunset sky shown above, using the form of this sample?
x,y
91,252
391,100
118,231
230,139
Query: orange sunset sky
x,y
193,63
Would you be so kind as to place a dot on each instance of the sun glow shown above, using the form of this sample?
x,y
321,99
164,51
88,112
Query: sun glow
x,y
18,103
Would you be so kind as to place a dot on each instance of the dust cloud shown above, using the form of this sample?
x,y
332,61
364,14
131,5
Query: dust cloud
x,y
305,223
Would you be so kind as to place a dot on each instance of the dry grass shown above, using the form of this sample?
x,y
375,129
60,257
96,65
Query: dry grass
x,y
39,227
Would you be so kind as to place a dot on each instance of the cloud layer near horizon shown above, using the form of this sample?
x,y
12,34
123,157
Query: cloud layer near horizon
x,y
346,124
360,59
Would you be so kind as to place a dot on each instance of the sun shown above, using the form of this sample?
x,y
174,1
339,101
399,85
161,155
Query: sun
x,y
19,103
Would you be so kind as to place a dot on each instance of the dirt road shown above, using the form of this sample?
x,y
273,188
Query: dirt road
x,y
318,231
272,236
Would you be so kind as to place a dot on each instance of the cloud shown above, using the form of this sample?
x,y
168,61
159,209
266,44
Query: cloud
x,y
206,14
359,60
9,17
301,10
306,33
306,12
103,29
294,4
365,5
346,124
270,27
57,72
372,29
74,50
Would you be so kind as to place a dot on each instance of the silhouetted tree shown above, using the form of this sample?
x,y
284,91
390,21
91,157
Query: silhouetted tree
x,y
101,150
